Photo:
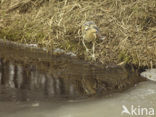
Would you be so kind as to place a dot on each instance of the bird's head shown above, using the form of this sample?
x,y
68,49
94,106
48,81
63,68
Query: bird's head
x,y
90,31
89,25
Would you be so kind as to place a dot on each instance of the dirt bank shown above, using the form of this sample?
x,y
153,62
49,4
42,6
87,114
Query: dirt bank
x,y
129,27
31,68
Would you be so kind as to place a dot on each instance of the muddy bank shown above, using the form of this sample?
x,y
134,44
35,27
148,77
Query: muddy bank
x,y
57,75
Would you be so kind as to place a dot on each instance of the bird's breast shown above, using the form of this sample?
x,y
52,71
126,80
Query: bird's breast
x,y
90,37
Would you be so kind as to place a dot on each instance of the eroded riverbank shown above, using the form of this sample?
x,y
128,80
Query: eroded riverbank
x,y
32,68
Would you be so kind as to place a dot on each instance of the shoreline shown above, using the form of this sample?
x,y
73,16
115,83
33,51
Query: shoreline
x,y
78,77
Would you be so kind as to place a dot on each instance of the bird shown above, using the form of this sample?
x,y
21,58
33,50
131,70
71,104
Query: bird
x,y
90,33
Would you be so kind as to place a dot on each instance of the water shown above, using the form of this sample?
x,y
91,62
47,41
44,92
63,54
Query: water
x,y
142,95
61,79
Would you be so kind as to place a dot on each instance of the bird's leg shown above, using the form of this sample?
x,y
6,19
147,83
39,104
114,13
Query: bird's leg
x,y
93,48
87,50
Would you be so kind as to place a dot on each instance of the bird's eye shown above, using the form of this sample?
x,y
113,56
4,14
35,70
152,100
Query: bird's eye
x,y
86,24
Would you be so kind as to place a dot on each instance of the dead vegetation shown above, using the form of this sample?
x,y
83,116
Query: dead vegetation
x,y
128,25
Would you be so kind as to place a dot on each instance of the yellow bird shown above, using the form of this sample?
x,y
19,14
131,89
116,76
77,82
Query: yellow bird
x,y
90,33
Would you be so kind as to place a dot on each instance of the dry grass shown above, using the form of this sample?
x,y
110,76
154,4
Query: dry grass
x,y
129,26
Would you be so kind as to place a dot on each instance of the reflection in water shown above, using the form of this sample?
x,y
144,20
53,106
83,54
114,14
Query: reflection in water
x,y
62,79
0,70
28,77
11,75
19,76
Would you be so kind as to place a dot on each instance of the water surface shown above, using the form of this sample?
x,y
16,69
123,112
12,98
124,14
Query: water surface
x,y
143,95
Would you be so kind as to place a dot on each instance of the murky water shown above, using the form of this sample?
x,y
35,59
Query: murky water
x,y
28,78
142,95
